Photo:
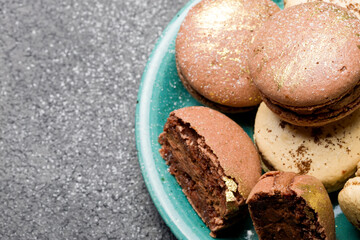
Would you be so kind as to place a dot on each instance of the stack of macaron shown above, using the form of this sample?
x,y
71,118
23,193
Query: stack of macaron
x,y
306,65
303,64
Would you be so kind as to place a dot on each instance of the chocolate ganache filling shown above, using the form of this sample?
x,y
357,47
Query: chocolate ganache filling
x,y
285,217
213,195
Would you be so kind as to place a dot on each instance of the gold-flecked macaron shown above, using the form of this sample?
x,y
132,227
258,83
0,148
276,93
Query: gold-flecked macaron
x,y
212,48
305,63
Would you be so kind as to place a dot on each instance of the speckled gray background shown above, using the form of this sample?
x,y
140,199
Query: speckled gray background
x,y
69,75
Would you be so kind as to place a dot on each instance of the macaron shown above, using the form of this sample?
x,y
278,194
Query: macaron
x,y
349,201
352,5
214,161
305,63
329,153
284,205
212,48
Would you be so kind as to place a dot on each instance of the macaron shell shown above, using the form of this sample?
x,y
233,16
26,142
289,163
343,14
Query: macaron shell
x,y
329,153
234,149
267,183
349,201
307,55
315,194
212,49
352,5
357,174
217,106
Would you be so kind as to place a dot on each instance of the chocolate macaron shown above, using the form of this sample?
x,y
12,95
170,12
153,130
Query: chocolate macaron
x,y
284,205
305,63
214,161
329,153
212,48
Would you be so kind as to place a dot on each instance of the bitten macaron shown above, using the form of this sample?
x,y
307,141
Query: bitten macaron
x,y
214,161
284,205
212,48
305,63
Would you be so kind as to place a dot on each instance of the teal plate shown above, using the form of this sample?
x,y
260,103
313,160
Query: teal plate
x,y
160,93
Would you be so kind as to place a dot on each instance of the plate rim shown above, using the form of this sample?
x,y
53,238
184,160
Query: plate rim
x,y
142,130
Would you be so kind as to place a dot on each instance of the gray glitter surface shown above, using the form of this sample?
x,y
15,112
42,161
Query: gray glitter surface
x,y
69,75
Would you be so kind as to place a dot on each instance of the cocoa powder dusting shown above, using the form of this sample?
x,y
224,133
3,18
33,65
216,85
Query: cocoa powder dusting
x,y
301,162
348,150
329,141
315,133
283,124
304,166
354,183
301,150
